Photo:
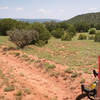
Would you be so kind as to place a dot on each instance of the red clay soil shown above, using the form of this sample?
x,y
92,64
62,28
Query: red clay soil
x,y
34,83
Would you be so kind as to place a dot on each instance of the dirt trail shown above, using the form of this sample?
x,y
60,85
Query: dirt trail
x,y
39,84
30,77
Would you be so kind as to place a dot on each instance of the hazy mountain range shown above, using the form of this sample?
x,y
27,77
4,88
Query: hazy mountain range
x,y
37,20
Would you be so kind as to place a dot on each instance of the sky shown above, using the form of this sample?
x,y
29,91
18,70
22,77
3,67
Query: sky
x,y
53,9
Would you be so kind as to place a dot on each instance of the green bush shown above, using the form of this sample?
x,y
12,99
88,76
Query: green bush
x,y
23,37
49,66
74,75
69,70
16,54
5,25
50,25
81,26
66,37
44,34
92,31
82,81
82,37
72,31
40,43
91,37
9,88
97,37
58,32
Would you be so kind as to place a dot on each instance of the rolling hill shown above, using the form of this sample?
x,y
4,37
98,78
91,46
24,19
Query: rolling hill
x,y
92,18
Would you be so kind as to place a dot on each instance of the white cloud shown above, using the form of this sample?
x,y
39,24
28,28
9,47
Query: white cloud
x,y
3,8
50,13
61,10
42,11
93,9
19,9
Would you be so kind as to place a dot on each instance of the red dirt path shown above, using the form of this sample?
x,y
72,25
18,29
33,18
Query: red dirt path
x,y
40,84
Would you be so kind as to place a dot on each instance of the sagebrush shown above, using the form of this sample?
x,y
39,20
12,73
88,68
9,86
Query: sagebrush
x,y
23,37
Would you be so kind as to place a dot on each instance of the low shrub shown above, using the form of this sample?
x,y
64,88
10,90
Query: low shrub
x,y
44,34
19,93
49,66
55,74
82,81
82,37
92,31
72,31
66,37
23,37
40,43
91,37
58,33
68,70
74,75
9,88
16,54
25,57
97,37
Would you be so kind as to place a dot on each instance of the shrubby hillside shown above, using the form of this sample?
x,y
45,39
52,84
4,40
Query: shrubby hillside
x,y
92,18
39,33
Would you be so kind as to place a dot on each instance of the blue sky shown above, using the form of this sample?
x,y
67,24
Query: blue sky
x,y
55,9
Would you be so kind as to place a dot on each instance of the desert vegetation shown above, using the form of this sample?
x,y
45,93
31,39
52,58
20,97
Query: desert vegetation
x,y
50,35
41,54
40,33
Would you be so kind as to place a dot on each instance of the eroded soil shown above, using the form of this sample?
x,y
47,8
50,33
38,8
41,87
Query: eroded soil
x,y
34,83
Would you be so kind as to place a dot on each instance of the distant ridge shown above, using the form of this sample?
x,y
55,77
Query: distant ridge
x,y
37,20
92,18
34,20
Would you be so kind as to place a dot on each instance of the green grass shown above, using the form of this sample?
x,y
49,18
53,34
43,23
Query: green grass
x,y
75,53
16,54
4,40
55,74
25,57
49,66
9,88
69,70
82,81
86,70
4,78
74,75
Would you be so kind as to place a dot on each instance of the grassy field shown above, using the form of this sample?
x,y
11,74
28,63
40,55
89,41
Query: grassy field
x,y
75,53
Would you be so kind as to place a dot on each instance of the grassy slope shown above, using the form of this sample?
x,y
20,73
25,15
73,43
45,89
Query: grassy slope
x,y
4,40
74,53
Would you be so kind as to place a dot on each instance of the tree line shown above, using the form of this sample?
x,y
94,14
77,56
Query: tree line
x,y
24,33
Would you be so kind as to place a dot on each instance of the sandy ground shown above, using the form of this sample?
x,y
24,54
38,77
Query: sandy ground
x,y
34,83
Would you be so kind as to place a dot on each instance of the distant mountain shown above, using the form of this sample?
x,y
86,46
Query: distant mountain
x,y
89,18
37,20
